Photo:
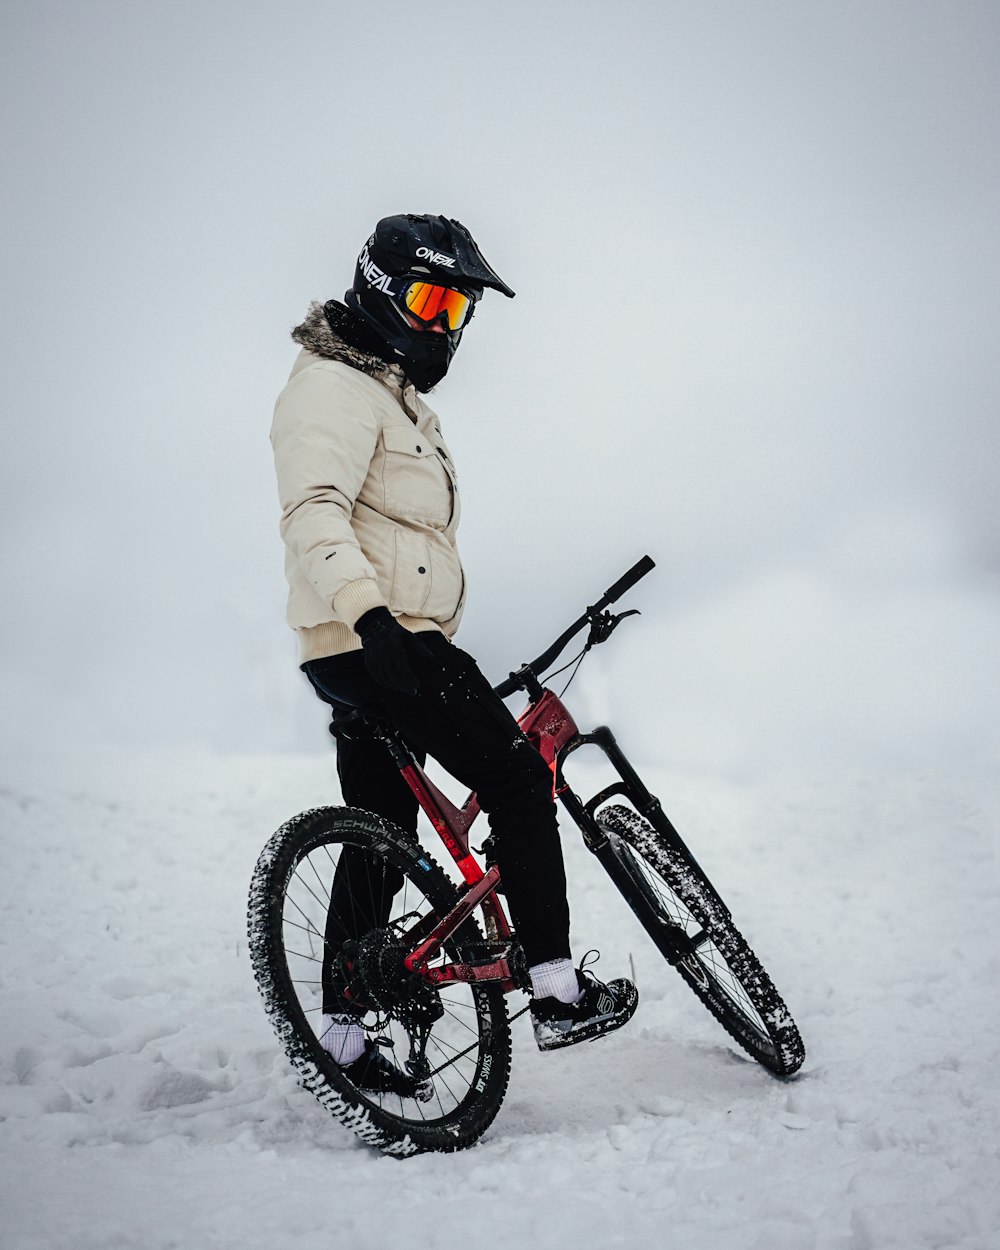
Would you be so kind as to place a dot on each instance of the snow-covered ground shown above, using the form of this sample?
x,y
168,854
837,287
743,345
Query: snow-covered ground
x,y
145,1103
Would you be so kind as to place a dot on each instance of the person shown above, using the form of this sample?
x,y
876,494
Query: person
x,y
369,512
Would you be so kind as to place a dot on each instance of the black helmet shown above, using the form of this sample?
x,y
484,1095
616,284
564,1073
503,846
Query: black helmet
x,y
407,272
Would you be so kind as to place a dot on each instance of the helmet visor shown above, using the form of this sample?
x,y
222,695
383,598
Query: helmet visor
x,y
427,302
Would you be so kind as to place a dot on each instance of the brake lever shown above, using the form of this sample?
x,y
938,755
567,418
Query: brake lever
x,y
604,625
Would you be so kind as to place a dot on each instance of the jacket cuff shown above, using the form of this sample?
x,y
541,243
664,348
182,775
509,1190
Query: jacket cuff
x,y
356,598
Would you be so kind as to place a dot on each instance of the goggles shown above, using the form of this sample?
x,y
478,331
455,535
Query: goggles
x,y
427,302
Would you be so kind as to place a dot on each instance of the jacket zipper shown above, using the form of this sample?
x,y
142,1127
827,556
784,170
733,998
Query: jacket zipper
x,y
451,485
461,595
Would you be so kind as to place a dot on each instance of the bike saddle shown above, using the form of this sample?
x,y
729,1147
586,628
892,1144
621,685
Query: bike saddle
x,y
356,717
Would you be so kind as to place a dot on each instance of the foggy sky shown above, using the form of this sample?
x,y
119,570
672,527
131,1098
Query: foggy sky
x,y
756,257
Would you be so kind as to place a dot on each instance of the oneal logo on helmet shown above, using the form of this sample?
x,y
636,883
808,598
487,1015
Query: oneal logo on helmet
x,y
377,277
436,258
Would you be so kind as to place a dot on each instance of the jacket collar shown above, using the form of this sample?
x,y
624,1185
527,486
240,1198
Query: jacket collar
x,y
333,332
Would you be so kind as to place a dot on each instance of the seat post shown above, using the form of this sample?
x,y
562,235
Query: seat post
x,y
401,754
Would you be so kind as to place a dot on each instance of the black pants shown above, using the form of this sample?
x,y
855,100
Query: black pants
x,y
460,722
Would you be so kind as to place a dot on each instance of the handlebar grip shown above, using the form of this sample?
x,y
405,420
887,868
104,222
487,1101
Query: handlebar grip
x,y
628,580
506,687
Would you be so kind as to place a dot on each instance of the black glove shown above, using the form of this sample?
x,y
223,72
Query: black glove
x,y
388,649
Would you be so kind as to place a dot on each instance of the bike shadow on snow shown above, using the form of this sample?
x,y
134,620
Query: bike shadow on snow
x,y
643,1071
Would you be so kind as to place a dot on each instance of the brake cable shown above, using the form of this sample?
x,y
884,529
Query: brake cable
x,y
602,626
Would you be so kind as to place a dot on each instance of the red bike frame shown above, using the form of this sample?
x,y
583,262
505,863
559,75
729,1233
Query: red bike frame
x,y
549,727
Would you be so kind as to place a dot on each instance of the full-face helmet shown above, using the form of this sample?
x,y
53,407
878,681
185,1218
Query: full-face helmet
x,y
416,285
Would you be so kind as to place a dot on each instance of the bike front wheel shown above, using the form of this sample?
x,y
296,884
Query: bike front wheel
x,y
338,879
694,931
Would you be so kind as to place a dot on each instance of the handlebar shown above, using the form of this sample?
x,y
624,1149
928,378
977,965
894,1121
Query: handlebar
x,y
625,582
518,679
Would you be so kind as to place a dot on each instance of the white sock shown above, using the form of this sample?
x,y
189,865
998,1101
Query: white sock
x,y
343,1037
556,978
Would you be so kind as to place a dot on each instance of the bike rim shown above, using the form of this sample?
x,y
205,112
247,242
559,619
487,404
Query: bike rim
x,y
706,966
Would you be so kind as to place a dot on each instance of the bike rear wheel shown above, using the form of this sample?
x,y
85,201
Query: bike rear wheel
x,y
692,928
299,910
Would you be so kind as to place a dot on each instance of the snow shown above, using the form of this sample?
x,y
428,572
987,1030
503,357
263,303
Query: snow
x,y
145,1102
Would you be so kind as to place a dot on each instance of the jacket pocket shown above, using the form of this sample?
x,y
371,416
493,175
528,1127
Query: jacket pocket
x,y
412,576
415,483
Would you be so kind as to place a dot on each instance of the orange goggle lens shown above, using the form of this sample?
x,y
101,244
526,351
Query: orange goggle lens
x,y
427,302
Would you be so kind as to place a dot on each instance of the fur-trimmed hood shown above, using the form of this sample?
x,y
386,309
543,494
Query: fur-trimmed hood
x,y
333,332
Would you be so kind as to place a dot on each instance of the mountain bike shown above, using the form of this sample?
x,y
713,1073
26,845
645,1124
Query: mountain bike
x,y
433,979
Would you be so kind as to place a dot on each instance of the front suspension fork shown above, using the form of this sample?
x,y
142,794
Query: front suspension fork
x,y
630,786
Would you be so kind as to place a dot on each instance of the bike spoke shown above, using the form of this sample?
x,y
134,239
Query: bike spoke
x,y
307,927
308,888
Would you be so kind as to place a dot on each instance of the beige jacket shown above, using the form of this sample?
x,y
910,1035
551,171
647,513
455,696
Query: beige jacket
x,y
369,498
